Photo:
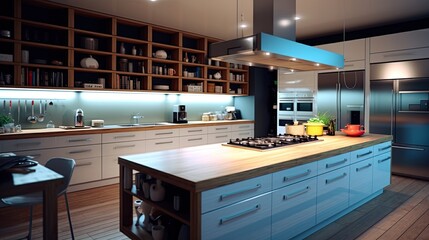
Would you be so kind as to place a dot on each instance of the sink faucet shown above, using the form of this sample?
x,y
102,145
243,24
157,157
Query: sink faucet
x,y
137,118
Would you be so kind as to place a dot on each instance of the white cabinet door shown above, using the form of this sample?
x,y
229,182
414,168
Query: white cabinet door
x,y
352,50
293,209
382,170
123,136
361,154
218,137
78,140
194,140
248,219
360,180
400,41
153,145
111,152
27,144
219,129
167,133
86,170
332,193
242,134
193,131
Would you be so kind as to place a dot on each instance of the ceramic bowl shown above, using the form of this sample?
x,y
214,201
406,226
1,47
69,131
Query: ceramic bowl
x,y
353,133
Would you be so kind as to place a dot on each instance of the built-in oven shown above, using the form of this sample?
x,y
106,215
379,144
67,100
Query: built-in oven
x,y
294,106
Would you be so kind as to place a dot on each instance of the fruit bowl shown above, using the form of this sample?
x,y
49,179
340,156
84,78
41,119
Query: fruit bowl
x,y
353,133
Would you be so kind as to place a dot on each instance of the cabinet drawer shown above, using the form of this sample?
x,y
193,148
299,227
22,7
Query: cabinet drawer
x,y
109,167
218,137
219,129
381,173
242,134
153,145
86,170
27,144
332,163
123,136
195,140
41,156
293,175
168,133
193,131
78,140
123,148
79,152
235,192
360,180
293,209
332,193
381,148
242,127
361,154
249,219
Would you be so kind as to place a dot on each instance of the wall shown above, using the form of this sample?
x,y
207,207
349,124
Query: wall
x,y
113,107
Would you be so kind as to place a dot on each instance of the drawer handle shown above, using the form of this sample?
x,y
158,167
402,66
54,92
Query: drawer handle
x,y
28,144
362,168
300,175
243,126
239,214
80,140
385,148
296,194
195,139
83,164
222,136
364,154
383,160
125,136
160,143
328,181
227,195
329,165
199,130
224,128
80,151
124,146
163,133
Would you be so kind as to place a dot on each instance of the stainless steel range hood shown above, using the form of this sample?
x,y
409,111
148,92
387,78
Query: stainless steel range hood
x,y
273,45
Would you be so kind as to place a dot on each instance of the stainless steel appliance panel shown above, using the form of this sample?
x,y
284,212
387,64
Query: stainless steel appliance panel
x,y
341,94
411,161
382,106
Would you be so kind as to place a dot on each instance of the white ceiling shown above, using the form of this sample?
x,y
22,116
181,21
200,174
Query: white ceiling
x,y
219,18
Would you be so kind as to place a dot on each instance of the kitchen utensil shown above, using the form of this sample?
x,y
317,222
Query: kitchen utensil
x,y
10,108
32,118
160,54
25,106
90,43
295,130
4,106
18,126
314,129
41,116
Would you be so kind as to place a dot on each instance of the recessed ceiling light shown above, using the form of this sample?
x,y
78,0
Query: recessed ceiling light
x,y
317,64
243,25
153,0
293,59
296,18
267,53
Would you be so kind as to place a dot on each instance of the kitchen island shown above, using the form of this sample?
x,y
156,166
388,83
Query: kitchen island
x,y
228,191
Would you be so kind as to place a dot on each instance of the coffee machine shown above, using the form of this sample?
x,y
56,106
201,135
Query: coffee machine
x,y
179,114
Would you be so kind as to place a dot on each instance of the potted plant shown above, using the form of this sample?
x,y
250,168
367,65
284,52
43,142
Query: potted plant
x,y
4,120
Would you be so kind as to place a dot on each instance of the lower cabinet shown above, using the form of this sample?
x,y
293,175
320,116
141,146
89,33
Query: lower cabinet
x,y
360,180
381,173
293,209
332,193
248,219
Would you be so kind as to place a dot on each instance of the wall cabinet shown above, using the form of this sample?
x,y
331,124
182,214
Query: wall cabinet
x,y
125,51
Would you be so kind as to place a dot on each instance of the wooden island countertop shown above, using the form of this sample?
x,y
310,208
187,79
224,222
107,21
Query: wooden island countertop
x,y
205,167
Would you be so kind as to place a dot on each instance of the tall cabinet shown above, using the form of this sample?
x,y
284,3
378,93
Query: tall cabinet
x,y
54,46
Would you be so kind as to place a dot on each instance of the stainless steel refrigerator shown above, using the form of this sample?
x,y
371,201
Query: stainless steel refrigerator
x,y
341,94
399,107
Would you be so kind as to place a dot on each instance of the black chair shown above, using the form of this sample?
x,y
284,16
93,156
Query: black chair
x,y
63,166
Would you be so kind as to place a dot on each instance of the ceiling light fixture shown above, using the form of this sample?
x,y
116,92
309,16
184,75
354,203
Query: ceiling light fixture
x,y
296,18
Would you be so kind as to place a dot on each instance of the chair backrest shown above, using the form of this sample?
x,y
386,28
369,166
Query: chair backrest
x,y
63,166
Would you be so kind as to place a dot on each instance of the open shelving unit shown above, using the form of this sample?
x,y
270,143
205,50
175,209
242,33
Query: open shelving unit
x,y
124,51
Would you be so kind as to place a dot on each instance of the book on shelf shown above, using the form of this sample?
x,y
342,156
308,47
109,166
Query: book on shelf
x,y
42,77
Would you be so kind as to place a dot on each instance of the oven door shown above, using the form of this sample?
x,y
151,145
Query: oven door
x,y
286,106
305,107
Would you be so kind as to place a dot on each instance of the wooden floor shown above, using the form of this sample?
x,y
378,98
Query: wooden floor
x,y
401,212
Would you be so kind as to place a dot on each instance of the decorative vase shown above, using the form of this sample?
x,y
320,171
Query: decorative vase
x,y
89,62
157,191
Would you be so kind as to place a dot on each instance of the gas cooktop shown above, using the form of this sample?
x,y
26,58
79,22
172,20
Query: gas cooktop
x,y
265,143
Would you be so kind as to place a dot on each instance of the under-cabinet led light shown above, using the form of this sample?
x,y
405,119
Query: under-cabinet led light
x,y
267,53
37,94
